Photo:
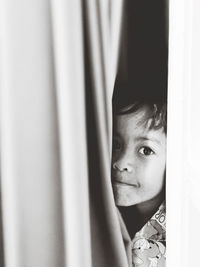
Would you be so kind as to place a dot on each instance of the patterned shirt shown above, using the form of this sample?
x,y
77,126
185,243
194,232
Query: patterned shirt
x,y
148,247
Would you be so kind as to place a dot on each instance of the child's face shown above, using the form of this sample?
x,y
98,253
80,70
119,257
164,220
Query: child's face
x,y
138,159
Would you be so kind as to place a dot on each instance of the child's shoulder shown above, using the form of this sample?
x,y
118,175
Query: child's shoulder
x,y
149,244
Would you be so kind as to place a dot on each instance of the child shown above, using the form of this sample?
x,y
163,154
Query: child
x,y
138,179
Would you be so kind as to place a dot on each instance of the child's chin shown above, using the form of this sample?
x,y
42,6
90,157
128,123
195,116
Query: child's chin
x,y
123,202
123,197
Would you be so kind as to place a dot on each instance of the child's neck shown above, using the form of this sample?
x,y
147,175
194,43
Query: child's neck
x,y
136,216
148,208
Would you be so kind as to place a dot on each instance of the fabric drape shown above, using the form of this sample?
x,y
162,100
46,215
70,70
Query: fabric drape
x,y
58,63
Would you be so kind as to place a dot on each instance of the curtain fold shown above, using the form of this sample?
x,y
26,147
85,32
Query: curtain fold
x,y
69,69
100,60
30,168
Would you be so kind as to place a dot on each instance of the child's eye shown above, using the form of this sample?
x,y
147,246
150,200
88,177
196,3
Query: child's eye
x,y
116,144
146,151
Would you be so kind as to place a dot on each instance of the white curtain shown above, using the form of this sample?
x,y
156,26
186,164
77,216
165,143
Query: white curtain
x,y
183,173
58,64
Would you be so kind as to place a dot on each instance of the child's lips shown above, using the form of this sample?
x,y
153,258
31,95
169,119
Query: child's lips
x,y
121,183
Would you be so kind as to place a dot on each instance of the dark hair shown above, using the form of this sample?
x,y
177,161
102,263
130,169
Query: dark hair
x,y
157,117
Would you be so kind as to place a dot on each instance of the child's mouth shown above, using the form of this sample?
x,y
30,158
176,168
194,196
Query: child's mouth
x,y
119,183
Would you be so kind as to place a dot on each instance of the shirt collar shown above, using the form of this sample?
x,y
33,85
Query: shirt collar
x,y
158,219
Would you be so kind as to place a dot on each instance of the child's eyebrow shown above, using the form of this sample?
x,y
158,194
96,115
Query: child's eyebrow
x,y
146,138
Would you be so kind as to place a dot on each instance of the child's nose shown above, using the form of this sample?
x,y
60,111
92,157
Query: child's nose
x,y
123,164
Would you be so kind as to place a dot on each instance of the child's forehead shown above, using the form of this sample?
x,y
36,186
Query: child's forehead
x,y
138,125
139,118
